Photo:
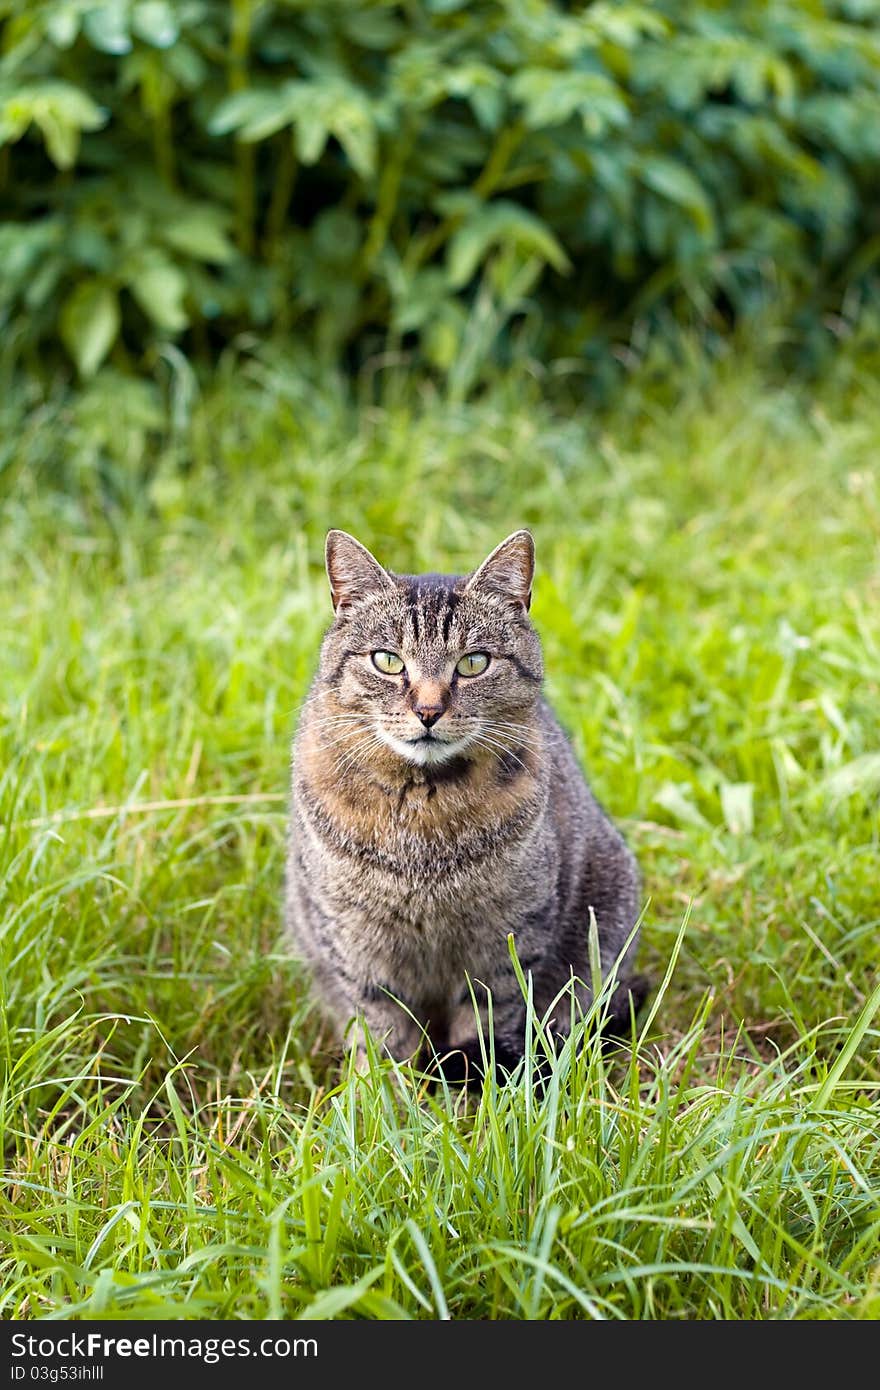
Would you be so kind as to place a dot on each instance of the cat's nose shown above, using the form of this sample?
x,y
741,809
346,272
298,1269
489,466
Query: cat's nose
x,y
429,700
429,714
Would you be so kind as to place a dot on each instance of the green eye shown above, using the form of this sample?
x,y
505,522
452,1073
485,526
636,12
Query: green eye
x,y
474,664
389,663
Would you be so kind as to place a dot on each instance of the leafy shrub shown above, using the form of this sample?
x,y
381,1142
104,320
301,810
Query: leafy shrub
x,y
439,176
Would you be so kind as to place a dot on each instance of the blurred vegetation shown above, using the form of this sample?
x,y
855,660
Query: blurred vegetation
x,y
457,182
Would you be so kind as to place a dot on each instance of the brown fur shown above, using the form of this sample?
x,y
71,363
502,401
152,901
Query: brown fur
x,y
434,813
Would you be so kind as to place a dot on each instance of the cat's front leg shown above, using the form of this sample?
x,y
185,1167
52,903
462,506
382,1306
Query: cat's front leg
x,y
475,1031
393,1030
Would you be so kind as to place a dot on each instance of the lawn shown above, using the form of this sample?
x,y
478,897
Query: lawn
x,y
180,1138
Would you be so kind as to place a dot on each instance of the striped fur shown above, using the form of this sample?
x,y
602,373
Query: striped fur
x,y
416,848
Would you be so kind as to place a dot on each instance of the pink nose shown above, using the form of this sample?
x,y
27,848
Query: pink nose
x,y
429,714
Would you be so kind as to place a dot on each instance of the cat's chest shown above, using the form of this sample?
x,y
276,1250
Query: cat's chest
x,y
428,820
438,898
423,861
426,947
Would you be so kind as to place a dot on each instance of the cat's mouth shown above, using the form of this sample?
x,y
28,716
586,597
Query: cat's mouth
x,y
432,749
425,748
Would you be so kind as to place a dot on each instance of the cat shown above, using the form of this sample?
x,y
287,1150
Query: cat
x,y
437,807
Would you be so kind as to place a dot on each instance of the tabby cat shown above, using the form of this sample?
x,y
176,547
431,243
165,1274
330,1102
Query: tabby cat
x,y
437,807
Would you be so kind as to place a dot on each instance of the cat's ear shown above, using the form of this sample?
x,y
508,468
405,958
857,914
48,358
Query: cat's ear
x,y
353,572
508,571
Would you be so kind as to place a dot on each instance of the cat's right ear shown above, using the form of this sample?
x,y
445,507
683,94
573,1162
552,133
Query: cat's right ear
x,y
353,572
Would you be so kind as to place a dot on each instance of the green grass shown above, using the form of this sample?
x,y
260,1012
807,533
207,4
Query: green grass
x,y
180,1138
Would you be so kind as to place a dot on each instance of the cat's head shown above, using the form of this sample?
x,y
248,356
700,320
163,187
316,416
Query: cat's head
x,y
432,666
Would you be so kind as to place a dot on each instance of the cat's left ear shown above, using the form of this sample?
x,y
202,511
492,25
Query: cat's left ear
x,y
508,571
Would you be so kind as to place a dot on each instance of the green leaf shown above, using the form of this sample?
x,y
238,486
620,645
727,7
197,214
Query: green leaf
x,y
62,26
332,1302
246,110
199,235
61,137
59,110
482,87
340,109
861,776
737,805
834,1078
312,133
336,237
106,28
551,97
374,28
88,324
675,801
417,299
24,248
155,22
501,223
443,335
159,287
316,110
677,184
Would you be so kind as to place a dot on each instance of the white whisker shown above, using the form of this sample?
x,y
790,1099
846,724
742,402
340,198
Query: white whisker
x,y
335,721
357,753
527,737
346,737
498,749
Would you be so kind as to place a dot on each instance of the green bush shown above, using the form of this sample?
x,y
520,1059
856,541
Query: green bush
x,y
446,177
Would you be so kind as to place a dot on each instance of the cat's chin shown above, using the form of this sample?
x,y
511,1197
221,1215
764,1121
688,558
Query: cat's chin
x,y
424,752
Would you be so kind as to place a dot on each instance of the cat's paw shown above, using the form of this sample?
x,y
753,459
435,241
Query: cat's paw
x,y
626,1002
464,1065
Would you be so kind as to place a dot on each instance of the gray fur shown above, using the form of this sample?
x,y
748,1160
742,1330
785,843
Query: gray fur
x,y
414,850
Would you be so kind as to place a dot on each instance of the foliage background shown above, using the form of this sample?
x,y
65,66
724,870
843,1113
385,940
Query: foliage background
x,y
459,181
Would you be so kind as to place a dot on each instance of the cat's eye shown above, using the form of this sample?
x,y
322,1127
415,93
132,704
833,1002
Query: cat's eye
x,y
389,663
473,664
